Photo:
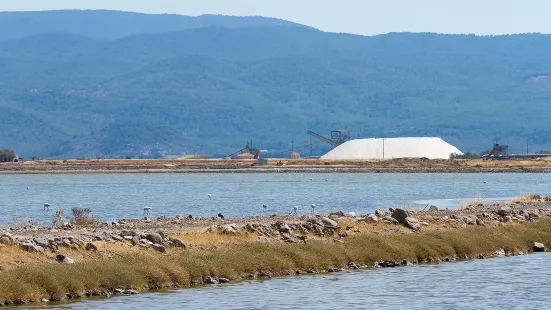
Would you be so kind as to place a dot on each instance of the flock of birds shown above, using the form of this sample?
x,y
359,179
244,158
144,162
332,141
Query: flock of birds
x,y
147,209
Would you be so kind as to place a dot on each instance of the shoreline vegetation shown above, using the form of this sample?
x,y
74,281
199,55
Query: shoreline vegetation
x,y
72,260
273,165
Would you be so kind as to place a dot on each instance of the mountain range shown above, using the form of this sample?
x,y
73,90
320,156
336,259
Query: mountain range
x,y
113,84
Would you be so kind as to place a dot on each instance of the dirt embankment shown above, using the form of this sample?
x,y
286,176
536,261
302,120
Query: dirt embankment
x,y
128,256
274,165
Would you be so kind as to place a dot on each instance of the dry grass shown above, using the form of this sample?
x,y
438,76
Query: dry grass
x,y
235,256
475,202
527,198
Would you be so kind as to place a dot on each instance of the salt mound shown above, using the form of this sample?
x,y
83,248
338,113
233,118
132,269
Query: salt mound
x,y
432,148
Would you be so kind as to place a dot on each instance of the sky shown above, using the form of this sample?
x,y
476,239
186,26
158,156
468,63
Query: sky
x,y
366,17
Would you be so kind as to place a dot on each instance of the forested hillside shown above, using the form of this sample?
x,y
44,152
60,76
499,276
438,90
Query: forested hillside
x,y
208,89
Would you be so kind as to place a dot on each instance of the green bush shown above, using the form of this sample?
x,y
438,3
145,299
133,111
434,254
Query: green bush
x,y
7,155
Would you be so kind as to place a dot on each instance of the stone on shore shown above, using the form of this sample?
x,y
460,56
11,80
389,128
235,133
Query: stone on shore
x,y
155,238
7,238
177,242
210,280
329,222
400,215
539,247
30,247
159,247
91,247
371,218
412,223
503,211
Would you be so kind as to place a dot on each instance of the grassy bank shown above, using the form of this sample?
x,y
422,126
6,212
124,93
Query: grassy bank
x,y
119,267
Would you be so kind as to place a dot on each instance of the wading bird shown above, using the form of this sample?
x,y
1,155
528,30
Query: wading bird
x,y
47,206
146,210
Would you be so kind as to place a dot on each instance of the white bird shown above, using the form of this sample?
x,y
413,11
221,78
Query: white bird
x,y
311,179
47,206
210,196
146,210
326,180
313,208
295,210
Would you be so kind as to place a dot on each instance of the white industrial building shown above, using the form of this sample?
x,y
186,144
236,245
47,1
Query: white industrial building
x,y
381,148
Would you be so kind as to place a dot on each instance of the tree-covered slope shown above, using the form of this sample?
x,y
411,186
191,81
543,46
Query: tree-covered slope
x,y
111,25
208,90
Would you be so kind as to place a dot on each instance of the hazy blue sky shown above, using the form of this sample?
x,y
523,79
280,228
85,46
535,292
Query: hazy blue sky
x,y
354,16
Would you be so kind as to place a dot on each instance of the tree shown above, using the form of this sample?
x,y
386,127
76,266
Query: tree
x,y
467,155
7,155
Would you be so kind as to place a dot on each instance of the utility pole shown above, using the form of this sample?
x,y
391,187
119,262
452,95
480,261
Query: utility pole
x,y
526,146
383,148
310,146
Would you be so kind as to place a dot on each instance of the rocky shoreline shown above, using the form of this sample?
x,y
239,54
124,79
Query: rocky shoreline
x,y
169,238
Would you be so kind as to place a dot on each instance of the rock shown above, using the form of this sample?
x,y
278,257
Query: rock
x,y
67,226
29,247
387,263
262,239
223,280
159,247
283,228
117,238
329,222
91,247
507,219
228,229
154,237
503,211
499,253
352,214
64,259
372,218
131,292
210,280
433,208
338,213
129,233
135,240
7,238
177,242
389,219
334,217
468,220
539,247
412,223
162,234
400,215
480,222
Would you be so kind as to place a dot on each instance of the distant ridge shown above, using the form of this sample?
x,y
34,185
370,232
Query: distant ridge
x,y
112,25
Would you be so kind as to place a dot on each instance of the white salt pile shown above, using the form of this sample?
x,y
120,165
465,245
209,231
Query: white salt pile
x,y
432,148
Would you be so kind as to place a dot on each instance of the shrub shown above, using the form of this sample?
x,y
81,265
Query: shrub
x,y
467,155
7,155
82,217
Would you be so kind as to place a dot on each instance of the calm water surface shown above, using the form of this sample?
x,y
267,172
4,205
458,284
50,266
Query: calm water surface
x,y
520,282
115,196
